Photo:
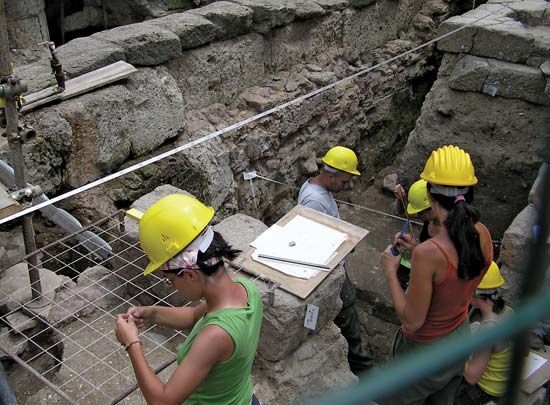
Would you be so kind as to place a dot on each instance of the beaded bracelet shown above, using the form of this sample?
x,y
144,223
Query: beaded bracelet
x,y
126,347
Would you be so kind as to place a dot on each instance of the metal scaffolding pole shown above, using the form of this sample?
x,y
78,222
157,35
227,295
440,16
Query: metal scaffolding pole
x,y
11,89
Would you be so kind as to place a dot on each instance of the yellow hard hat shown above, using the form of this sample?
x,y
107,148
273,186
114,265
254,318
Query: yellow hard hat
x,y
343,159
418,197
170,225
449,166
492,279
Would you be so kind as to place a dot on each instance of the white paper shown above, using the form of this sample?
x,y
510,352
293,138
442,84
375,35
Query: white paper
x,y
300,239
532,363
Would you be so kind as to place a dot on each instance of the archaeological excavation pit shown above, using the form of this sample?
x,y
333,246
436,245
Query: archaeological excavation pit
x,y
235,102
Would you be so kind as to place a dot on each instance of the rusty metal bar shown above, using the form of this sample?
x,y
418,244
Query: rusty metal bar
x,y
32,371
11,89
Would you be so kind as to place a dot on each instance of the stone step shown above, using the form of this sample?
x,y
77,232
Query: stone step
x,y
497,78
506,24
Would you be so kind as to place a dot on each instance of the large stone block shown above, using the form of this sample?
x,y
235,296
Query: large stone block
x,y
19,10
531,12
516,238
319,365
515,41
218,72
27,32
269,13
143,44
192,30
283,326
506,79
100,123
47,154
157,113
83,55
301,41
459,42
240,230
231,19
307,9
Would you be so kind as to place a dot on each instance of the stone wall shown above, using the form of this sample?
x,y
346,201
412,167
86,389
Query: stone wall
x,y
210,67
491,98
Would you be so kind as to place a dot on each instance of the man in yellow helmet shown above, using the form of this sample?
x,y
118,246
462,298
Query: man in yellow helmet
x,y
340,166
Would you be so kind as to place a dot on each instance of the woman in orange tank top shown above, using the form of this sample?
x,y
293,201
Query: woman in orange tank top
x,y
445,271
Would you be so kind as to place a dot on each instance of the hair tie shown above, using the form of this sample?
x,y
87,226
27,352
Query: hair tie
x,y
459,198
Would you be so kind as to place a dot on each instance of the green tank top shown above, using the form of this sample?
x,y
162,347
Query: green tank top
x,y
228,382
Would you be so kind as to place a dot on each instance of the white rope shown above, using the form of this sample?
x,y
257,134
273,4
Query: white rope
x,y
230,128
345,202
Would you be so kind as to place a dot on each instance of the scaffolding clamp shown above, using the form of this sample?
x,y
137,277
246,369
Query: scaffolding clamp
x,y
26,194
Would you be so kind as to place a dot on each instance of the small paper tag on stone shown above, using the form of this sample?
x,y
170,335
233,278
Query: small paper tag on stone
x,y
312,312
490,90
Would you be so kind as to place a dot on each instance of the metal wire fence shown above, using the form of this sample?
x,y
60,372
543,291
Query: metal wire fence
x,y
65,338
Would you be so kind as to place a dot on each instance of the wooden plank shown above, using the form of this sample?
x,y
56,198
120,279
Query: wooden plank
x,y
79,85
8,206
297,286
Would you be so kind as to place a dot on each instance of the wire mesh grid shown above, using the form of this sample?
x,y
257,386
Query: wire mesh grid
x,y
67,335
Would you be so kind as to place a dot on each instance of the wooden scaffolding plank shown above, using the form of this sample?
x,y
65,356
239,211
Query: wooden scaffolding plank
x,y
8,206
79,85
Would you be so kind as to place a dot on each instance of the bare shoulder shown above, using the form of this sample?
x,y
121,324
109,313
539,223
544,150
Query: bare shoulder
x,y
427,257
425,248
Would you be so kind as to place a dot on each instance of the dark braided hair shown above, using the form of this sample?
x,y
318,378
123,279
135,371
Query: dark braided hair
x,y
218,248
460,225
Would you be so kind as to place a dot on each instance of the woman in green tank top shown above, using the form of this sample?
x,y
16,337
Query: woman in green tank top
x,y
215,361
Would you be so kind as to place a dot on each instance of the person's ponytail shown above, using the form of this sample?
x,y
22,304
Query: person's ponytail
x,y
219,248
460,225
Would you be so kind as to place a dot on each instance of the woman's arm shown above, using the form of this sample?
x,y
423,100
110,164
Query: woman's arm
x,y
182,318
211,346
411,307
475,366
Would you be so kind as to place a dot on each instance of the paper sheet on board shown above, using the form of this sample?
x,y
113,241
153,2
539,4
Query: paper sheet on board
x,y
300,239
532,363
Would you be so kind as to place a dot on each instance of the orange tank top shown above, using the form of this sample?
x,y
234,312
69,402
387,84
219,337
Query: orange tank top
x,y
449,304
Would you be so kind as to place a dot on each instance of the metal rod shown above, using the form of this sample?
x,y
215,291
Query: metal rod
x,y
32,371
12,89
292,261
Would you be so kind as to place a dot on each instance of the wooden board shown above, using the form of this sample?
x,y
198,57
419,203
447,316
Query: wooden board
x,y
297,286
79,85
539,377
8,206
